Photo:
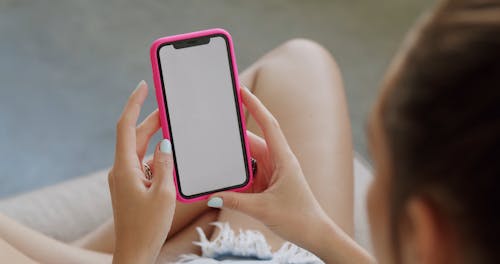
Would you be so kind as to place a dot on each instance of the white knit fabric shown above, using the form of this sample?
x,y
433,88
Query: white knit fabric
x,y
246,246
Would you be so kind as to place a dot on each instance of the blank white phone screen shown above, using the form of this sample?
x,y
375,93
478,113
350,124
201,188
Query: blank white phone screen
x,y
203,117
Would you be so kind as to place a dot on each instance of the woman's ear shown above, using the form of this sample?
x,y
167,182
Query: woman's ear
x,y
426,235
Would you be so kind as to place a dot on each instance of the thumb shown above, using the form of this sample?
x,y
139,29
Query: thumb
x,y
251,204
163,165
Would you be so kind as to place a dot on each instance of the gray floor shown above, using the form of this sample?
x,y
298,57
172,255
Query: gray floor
x,y
67,66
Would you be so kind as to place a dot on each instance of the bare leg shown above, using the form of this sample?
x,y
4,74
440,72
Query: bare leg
x,y
102,239
41,248
12,255
301,85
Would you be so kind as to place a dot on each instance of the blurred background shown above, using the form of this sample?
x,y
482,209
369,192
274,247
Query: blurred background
x,y
68,66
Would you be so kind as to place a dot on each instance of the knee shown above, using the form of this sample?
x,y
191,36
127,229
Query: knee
x,y
302,46
305,60
306,51
300,64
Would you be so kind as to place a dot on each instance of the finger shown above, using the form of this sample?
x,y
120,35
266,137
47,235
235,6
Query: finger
x,y
276,141
258,146
145,131
251,204
163,165
125,134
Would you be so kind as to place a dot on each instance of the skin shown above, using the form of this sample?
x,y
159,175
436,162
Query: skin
x,y
139,204
301,105
289,178
282,184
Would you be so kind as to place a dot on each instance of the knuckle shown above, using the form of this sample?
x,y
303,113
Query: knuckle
x,y
110,178
164,165
273,122
119,124
286,156
166,194
234,203
290,157
163,161
123,123
289,162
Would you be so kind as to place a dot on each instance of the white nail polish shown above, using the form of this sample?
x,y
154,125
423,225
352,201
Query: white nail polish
x,y
165,146
215,202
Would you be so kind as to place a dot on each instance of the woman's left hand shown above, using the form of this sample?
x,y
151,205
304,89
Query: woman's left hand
x,y
143,209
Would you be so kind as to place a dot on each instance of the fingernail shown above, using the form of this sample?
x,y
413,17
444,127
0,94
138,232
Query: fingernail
x,y
165,146
215,202
141,83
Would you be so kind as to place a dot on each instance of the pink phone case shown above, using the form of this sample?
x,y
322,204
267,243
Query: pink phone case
x,y
161,104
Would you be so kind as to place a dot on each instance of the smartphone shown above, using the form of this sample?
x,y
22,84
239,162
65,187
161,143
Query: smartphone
x,y
198,94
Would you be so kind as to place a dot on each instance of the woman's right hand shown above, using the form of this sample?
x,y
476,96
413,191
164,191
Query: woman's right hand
x,y
143,209
280,196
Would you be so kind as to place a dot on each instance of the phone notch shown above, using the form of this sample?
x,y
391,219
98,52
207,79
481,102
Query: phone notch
x,y
191,42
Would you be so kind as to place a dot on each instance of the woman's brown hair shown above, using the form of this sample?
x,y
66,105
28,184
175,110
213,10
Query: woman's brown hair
x,y
441,118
